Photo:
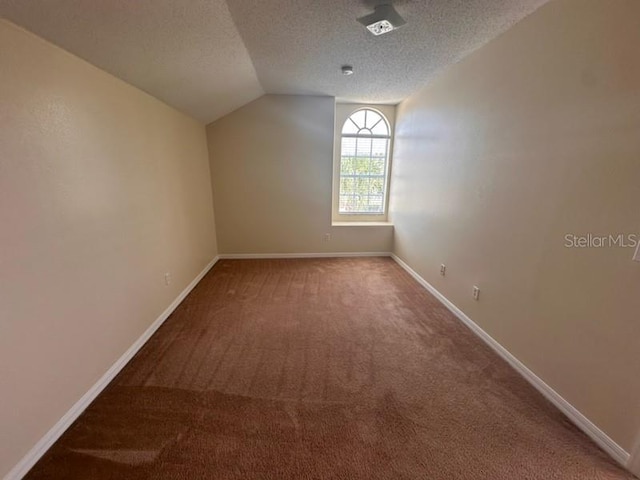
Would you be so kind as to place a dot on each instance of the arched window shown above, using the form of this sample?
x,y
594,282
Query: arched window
x,y
364,159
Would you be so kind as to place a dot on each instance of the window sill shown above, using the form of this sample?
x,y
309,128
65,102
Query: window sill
x,y
361,224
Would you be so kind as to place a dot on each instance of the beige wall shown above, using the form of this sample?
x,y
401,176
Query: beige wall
x,y
103,189
534,136
271,168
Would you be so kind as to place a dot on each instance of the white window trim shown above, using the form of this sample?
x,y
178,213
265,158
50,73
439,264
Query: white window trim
x,y
343,112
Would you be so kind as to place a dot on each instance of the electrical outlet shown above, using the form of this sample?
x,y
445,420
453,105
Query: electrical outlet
x,y
327,237
476,292
443,269
167,279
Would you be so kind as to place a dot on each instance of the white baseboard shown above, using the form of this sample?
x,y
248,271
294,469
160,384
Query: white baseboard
x,y
40,448
602,439
634,460
237,256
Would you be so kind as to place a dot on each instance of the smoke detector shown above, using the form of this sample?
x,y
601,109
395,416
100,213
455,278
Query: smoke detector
x,y
383,20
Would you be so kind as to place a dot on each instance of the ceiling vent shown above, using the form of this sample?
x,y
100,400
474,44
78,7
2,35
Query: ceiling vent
x,y
383,20
347,70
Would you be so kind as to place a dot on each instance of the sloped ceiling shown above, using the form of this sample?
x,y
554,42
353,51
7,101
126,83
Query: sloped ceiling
x,y
209,57
187,53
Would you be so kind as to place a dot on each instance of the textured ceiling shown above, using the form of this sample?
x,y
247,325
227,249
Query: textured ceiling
x,y
187,53
209,57
298,46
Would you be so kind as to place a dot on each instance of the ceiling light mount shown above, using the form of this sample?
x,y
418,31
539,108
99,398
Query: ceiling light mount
x,y
347,70
384,19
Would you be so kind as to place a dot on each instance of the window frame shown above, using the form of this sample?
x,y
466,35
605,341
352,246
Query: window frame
x,y
343,113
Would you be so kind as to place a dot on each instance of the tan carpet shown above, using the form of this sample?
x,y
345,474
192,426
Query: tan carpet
x,y
319,369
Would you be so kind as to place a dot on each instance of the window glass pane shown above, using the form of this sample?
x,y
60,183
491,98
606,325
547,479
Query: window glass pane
x,y
348,147
380,129
377,186
347,164
375,203
379,147
363,147
347,185
377,166
362,186
358,118
372,118
361,166
349,127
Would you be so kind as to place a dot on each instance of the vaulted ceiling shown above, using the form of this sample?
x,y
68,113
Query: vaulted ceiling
x,y
209,57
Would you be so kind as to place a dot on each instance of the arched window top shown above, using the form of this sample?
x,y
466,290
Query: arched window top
x,y
367,123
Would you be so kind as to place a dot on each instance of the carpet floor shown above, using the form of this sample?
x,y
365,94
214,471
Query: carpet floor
x,y
319,369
